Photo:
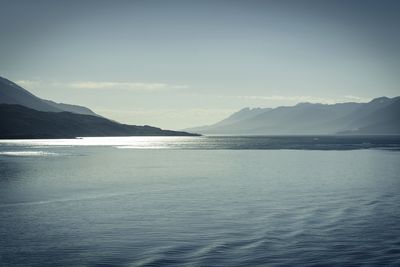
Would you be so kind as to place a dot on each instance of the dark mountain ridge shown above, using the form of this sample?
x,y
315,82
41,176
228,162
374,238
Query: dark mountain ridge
x,y
19,122
12,93
24,115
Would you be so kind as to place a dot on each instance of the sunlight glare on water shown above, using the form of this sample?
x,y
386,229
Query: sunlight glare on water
x,y
123,142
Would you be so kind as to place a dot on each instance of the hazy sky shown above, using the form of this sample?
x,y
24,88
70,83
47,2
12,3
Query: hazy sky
x,y
177,64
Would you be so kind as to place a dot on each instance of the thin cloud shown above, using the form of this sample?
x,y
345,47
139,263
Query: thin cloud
x,y
28,83
125,86
134,86
358,98
298,99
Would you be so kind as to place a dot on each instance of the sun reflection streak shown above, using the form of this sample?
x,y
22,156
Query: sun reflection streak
x,y
148,142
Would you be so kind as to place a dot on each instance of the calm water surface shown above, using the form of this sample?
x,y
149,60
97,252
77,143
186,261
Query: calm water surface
x,y
208,201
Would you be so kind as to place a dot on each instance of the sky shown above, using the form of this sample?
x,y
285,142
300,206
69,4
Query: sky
x,y
178,64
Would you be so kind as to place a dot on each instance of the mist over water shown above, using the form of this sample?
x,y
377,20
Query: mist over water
x,y
208,201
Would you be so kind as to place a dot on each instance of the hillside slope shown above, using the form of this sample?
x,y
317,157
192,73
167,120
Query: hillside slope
x,y
21,122
11,93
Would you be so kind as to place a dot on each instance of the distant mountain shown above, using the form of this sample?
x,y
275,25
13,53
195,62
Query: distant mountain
x,y
11,93
20,122
380,116
236,117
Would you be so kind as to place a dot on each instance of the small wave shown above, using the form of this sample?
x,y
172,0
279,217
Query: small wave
x,y
62,200
27,153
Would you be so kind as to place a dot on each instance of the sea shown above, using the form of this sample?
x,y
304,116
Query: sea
x,y
201,201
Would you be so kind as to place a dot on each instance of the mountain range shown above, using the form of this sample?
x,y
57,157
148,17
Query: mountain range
x,y
24,115
381,116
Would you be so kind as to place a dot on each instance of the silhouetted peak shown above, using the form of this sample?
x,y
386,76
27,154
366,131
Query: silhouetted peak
x,y
244,109
9,83
382,99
